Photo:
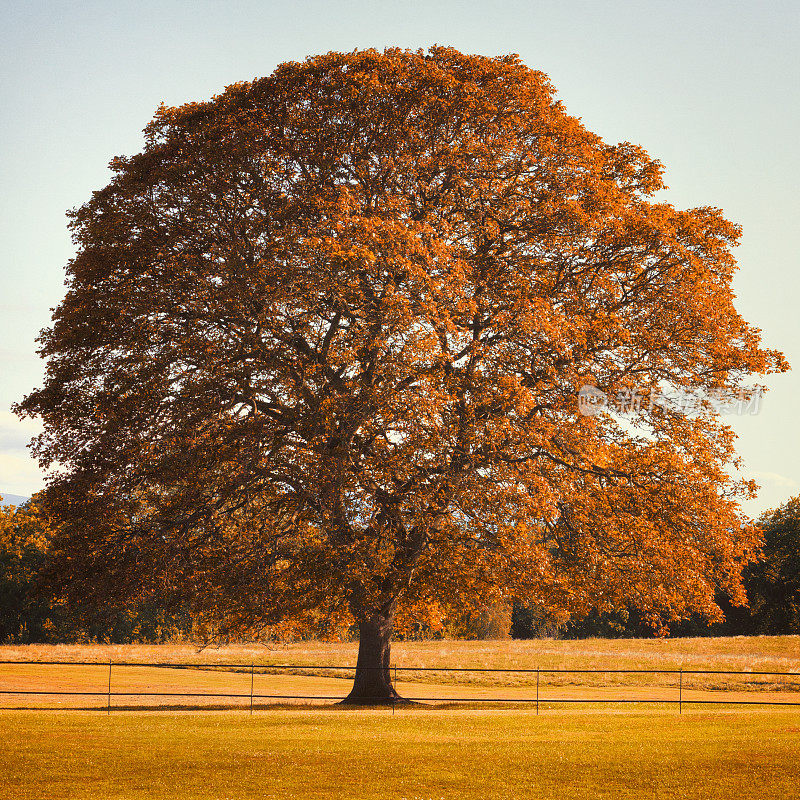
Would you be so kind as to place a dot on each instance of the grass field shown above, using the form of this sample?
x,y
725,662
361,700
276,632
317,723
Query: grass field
x,y
735,652
413,754
749,654
479,750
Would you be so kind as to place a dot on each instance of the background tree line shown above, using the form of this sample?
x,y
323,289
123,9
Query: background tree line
x,y
772,585
30,613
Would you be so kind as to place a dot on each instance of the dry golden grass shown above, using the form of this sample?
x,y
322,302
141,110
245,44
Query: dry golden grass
x,y
735,653
289,749
748,654
203,688
420,755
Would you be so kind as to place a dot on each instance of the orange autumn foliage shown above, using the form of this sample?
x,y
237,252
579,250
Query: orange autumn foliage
x,y
321,347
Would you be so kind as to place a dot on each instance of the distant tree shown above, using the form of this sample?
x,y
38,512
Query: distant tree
x,y
30,612
491,621
773,584
24,537
321,350
534,622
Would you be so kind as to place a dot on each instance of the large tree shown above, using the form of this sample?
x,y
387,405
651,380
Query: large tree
x,y
321,350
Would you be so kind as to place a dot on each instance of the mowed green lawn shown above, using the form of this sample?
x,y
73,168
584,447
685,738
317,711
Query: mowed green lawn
x,y
413,753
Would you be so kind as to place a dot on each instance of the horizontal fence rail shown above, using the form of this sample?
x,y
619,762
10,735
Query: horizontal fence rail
x,y
108,691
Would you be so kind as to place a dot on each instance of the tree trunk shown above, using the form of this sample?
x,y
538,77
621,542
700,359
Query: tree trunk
x,y
373,680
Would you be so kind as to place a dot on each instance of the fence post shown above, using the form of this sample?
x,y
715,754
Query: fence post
x,y
252,668
680,693
537,691
108,707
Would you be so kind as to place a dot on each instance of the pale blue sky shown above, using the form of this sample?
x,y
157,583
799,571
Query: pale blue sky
x,y
710,88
